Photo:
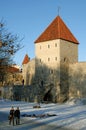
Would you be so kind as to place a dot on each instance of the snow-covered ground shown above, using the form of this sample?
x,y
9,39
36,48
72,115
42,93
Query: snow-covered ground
x,y
70,115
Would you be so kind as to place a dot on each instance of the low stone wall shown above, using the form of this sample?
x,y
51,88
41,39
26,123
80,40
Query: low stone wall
x,y
29,93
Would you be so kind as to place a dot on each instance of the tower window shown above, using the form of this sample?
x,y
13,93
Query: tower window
x,y
55,44
40,60
66,59
48,46
51,71
56,58
48,59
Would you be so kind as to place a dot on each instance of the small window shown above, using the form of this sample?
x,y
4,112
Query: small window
x,y
40,47
48,59
40,60
65,59
48,46
56,58
55,44
51,71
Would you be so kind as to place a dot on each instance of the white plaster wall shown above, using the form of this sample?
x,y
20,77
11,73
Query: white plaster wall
x,y
69,51
28,71
48,52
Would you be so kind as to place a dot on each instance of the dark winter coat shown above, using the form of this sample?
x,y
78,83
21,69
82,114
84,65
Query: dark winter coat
x,y
12,113
17,113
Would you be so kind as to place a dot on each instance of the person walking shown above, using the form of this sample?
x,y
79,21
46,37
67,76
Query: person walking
x,y
11,116
17,116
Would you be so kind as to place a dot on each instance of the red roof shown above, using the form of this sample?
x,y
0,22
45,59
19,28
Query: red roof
x,y
12,69
57,30
26,59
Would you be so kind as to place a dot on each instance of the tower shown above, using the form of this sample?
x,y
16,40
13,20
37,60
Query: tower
x,y
25,62
55,49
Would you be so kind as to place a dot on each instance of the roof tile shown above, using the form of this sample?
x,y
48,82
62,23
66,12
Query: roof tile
x,y
57,30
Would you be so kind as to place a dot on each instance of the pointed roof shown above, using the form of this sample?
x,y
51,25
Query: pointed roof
x,y
26,59
57,30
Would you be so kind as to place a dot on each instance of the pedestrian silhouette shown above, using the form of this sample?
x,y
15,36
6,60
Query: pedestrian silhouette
x,y
17,116
11,116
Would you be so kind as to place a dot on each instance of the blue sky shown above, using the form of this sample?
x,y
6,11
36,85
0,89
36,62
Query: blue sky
x,y
29,18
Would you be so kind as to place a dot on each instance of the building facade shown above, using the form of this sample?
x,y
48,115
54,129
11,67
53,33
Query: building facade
x,y
55,73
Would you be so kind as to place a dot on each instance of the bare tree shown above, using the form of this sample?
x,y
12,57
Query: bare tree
x,y
9,45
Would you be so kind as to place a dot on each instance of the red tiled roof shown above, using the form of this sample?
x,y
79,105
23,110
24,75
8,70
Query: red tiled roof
x,y
26,59
57,30
9,69
12,69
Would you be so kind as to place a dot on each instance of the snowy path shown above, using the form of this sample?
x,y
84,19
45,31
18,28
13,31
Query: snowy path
x,y
69,116
25,125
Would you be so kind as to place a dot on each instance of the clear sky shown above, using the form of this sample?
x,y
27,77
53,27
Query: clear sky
x,y
29,18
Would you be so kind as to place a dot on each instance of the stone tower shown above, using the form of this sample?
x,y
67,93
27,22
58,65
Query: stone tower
x,y
55,49
25,68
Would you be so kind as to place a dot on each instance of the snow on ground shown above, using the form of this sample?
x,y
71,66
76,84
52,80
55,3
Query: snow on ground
x,y
70,115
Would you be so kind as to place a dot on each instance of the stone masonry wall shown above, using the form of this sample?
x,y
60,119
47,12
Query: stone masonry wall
x,y
68,51
77,80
